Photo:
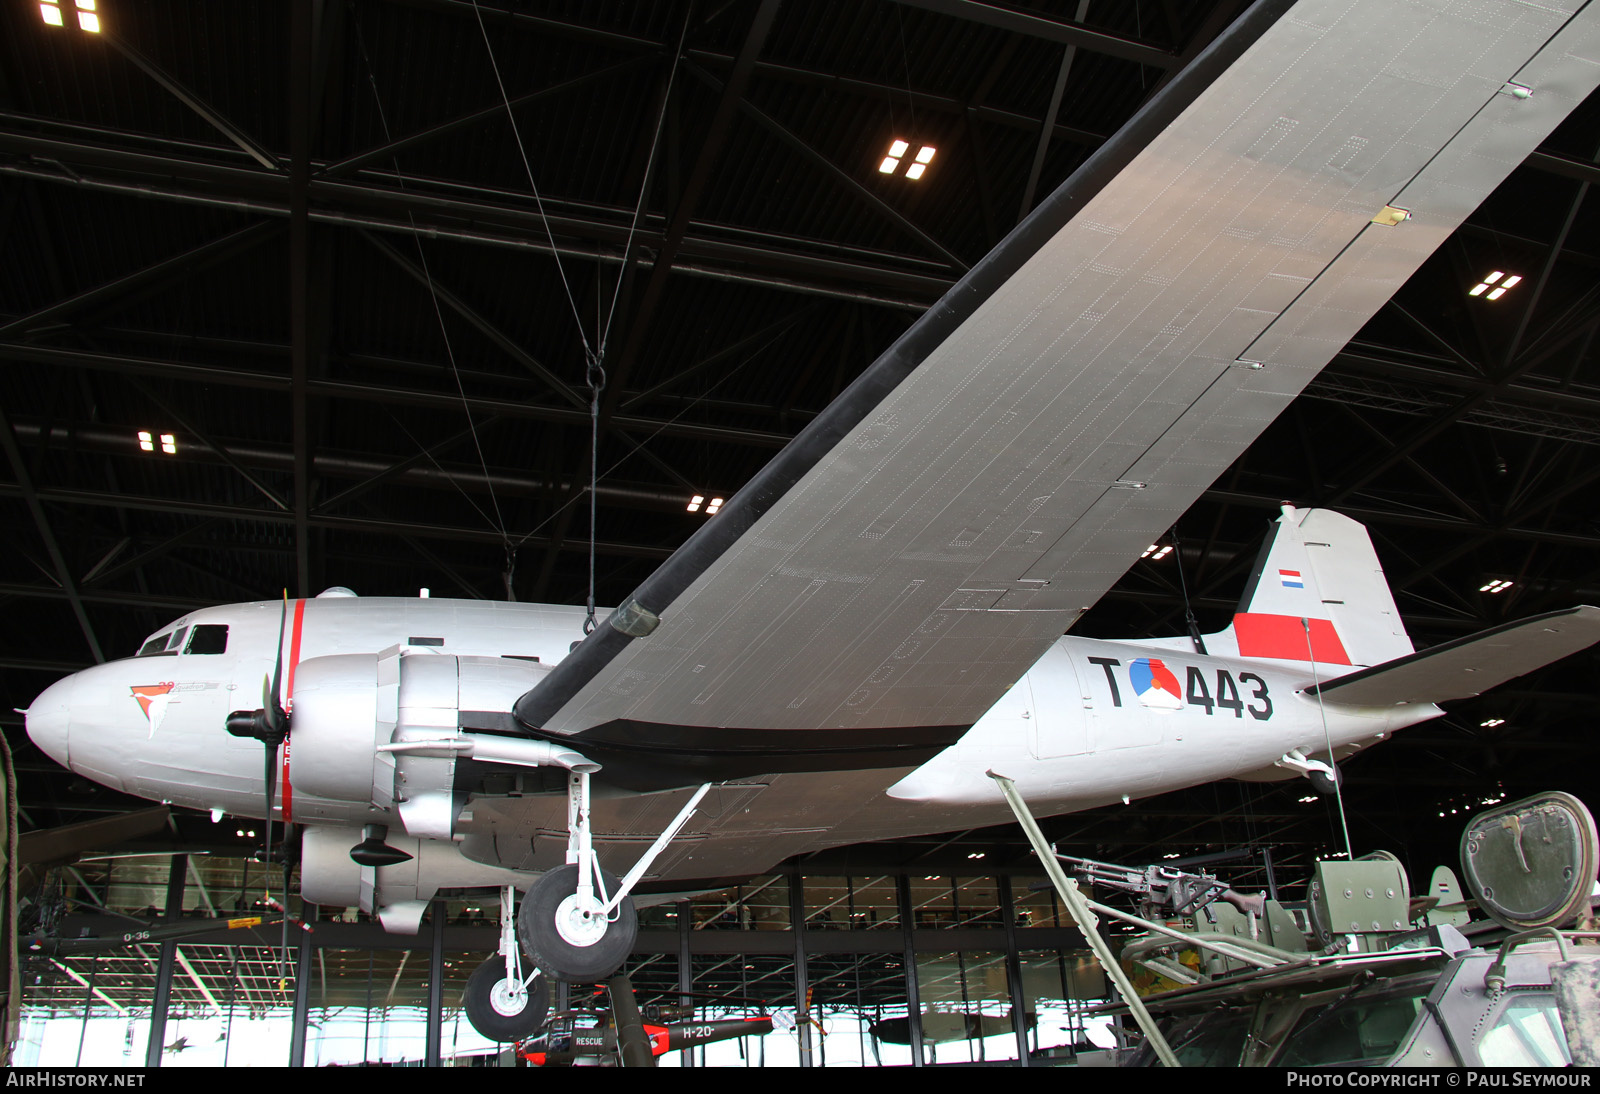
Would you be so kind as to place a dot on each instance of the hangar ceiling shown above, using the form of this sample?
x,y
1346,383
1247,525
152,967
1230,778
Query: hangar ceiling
x,y
355,256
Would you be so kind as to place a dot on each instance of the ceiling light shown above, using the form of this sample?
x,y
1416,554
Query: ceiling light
x,y
713,505
1500,288
50,10
1498,585
1490,723
694,503
148,442
897,152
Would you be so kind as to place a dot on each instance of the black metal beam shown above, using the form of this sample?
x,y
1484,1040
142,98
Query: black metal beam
x,y
380,393
1048,29
187,507
301,23
122,289
496,219
1047,127
388,152
194,102
843,178
25,488
450,300
716,137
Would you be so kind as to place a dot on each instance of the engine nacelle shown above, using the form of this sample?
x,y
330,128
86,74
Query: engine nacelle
x,y
399,894
384,728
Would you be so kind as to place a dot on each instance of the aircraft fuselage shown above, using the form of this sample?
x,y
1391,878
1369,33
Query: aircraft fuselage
x,y
1091,723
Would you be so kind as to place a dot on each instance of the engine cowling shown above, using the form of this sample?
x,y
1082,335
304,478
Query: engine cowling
x,y
398,895
385,729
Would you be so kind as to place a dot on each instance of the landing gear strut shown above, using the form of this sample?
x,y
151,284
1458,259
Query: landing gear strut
x,y
1324,776
503,1003
578,922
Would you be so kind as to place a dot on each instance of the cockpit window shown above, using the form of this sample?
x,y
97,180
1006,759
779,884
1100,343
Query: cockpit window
x,y
177,640
155,645
208,638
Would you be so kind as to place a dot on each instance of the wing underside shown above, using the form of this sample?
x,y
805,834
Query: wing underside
x,y
922,543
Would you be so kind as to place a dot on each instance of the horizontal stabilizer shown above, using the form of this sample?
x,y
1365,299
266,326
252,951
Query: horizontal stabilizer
x,y
1468,666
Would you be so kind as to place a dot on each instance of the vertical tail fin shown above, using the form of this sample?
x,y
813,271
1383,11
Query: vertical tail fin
x,y
1317,593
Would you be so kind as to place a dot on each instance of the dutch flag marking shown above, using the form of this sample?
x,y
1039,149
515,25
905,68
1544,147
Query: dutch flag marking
x,y
1291,579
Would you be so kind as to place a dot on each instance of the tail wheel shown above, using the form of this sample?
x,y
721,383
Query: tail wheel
x,y
570,939
498,1009
1323,784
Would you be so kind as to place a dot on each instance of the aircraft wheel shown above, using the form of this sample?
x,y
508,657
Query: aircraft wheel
x,y
568,941
496,1012
1322,784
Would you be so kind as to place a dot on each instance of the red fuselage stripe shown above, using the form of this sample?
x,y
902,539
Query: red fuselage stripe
x,y
294,661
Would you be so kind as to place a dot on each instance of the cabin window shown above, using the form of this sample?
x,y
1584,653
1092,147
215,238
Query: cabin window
x,y
208,638
155,645
1358,1029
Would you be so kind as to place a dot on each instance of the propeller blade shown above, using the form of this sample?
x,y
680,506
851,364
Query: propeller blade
x,y
277,719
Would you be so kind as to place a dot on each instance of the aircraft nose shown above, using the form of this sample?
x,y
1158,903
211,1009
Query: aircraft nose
x,y
50,717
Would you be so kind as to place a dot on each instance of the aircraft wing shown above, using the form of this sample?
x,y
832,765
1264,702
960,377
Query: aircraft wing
x,y
1468,666
878,586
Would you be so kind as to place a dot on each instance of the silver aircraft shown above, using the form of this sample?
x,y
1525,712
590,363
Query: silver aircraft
x,y
877,618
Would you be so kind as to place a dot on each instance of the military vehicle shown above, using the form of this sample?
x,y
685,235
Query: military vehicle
x,y
1364,974
1368,975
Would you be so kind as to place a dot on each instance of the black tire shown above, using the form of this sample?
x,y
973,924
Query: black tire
x,y
490,1020
1322,784
555,956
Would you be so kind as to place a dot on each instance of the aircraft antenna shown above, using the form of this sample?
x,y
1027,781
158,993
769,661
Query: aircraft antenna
x,y
1327,738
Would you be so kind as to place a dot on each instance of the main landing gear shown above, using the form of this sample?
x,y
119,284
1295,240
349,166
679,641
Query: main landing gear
x,y
577,923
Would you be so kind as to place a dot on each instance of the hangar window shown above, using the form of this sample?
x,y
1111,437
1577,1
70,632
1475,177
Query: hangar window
x,y
208,638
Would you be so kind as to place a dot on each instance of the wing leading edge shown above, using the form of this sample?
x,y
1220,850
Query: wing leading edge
x,y
918,547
